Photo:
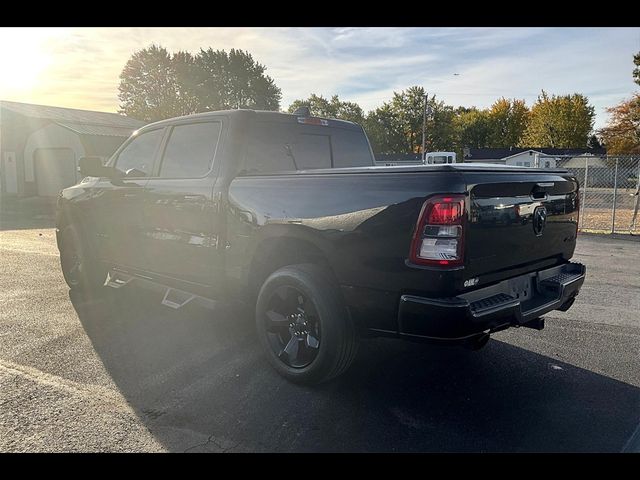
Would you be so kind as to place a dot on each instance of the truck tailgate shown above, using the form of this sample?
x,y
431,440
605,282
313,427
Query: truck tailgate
x,y
519,219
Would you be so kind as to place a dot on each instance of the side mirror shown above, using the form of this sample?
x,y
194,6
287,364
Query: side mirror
x,y
93,167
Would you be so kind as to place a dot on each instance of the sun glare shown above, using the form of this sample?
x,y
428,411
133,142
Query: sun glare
x,y
24,55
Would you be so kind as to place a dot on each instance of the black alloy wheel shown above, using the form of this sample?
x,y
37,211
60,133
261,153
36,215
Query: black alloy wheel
x,y
303,324
293,327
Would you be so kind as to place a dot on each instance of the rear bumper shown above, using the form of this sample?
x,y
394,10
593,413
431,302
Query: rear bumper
x,y
517,301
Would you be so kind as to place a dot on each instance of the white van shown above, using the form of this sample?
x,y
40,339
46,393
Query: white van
x,y
439,157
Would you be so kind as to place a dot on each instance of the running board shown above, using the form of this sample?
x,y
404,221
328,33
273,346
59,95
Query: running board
x,y
176,298
173,297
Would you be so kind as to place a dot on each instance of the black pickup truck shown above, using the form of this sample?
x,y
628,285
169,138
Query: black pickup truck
x,y
288,211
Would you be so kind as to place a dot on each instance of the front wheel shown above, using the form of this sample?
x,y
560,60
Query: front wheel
x,y
80,271
303,325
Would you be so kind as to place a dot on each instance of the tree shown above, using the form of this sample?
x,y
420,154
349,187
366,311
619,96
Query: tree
x,y
440,133
636,71
384,132
187,77
508,120
148,86
155,84
472,128
594,142
234,80
396,126
622,133
334,108
559,121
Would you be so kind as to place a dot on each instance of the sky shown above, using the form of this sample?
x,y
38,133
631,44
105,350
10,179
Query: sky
x,y
80,67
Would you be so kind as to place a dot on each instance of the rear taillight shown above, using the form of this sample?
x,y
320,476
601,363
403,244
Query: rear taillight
x,y
438,238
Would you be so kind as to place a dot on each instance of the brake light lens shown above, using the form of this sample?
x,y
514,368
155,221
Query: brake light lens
x,y
445,212
439,235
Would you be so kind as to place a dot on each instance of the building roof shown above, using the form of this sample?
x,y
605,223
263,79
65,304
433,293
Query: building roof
x,y
86,129
480,154
85,122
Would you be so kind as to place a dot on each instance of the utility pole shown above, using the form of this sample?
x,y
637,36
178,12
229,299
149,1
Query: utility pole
x,y
424,126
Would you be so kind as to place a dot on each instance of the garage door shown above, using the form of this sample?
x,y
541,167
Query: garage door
x,y
55,169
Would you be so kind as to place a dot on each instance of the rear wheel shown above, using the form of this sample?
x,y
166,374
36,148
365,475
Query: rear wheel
x,y
80,270
303,325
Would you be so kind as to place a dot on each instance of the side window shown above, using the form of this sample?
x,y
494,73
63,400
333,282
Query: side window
x,y
190,150
312,151
139,152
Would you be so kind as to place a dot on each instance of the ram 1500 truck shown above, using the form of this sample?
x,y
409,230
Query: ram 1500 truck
x,y
288,211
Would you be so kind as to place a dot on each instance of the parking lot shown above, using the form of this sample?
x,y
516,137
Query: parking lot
x,y
120,372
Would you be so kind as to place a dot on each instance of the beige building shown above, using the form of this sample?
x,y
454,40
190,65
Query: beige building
x,y
40,145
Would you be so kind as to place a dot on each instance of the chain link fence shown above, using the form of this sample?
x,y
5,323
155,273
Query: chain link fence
x,y
609,191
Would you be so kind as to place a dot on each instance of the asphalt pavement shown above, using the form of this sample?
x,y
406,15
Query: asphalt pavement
x,y
121,372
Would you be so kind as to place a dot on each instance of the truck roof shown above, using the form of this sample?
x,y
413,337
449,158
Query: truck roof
x,y
262,115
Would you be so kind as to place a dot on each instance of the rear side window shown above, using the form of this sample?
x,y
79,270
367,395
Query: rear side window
x,y
139,153
190,150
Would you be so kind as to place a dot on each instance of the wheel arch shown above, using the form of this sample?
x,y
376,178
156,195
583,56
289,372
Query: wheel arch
x,y
279,247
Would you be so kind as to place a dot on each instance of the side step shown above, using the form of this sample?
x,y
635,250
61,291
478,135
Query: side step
x,y
117,279
176,298
173,297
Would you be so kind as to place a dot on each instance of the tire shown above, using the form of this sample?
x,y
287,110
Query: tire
x,y
80,270
308,289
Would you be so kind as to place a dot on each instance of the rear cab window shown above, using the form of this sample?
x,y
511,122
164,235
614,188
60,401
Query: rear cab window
x,y
284,146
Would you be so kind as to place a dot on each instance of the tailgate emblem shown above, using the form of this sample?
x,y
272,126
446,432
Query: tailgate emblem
x,y
539,220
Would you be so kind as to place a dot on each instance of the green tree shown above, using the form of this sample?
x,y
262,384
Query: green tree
x,y
622,133
234,80
407,108
333,108
155,84
560,121
472,129
396,126
148,86
187,76
636,70
507,121
594,142
384,132
440,132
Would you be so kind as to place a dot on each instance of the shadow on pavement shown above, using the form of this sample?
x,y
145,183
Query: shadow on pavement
x,y
199,373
